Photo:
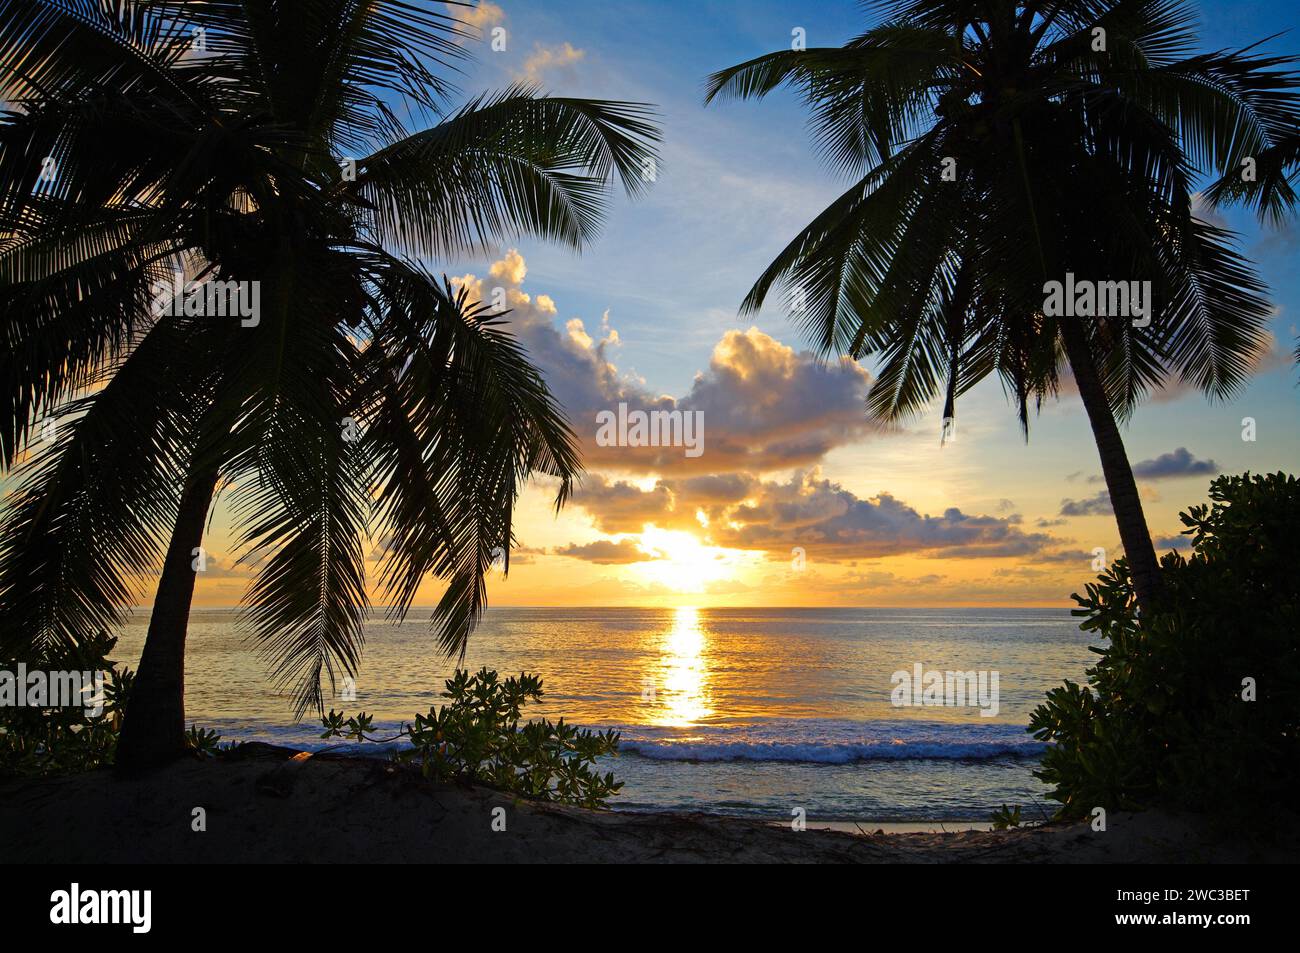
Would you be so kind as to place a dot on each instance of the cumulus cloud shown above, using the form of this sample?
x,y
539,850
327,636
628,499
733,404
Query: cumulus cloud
x,y
622,507
607,552
767,409
480,18
223,567
739,512
764,406
1098,505
1179,463
1066,556
1173,542
1273,356
544,58
521,555
818,513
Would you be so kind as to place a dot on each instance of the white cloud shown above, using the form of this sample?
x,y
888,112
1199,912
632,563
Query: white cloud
x,y
545,58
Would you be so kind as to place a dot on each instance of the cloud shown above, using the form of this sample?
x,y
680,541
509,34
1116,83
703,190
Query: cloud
x,y
225,567
1206,212
622,507
1173,542
771,414
1273,356
607,552
828,521
544,58
1066,556
693,503
1179,463
480,18
765,407
870,583
1280,240
521,555
1098,505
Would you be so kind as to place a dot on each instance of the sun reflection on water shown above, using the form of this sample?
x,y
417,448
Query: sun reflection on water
x,y
684,694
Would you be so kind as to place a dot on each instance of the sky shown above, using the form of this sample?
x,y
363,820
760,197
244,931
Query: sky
x,y
797,498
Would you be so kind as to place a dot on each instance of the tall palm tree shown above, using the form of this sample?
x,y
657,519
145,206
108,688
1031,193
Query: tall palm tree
x,y
266,142
997,146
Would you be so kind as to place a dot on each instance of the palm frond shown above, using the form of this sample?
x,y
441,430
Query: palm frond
x,y
505,166
89,520
458,420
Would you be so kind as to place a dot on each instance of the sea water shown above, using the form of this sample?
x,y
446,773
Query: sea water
x,y
758,712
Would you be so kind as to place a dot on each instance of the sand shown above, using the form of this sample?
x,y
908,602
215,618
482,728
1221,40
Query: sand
x,y
268,805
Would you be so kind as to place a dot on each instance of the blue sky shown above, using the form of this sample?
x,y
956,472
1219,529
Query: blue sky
x,y
738,178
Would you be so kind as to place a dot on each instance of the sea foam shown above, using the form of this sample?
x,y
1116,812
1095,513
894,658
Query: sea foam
x,y
831,742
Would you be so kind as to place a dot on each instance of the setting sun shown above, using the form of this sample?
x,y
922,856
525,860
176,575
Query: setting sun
x,y
688,565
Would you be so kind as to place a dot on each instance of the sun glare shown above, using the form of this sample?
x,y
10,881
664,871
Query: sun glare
x,y
687,564
683,671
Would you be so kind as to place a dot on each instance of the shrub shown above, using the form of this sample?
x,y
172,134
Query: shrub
x,y
1165,719
65,740
478,738
1005,818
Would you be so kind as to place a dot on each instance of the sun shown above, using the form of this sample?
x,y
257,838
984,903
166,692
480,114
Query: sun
x,y
688,565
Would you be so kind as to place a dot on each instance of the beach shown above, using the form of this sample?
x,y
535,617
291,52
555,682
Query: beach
x,y
273,805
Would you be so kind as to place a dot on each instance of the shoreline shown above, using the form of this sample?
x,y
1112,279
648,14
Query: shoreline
x,y
273,804
895,827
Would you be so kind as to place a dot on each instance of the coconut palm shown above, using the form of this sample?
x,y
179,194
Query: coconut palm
x,y
1269,188
1269,185
998,146
267,143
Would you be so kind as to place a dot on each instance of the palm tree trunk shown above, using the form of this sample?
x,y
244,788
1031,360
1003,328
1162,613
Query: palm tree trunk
x,y
153,730
1124,499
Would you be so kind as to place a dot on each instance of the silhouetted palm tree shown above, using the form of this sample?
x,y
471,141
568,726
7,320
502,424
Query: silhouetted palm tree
x,y
1269,189
267,142
999,145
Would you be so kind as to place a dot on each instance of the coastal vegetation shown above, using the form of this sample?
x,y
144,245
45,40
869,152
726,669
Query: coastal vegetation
x,y
66,739
477,738
1197,706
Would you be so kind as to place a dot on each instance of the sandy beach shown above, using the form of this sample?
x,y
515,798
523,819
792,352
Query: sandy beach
x,y
272,804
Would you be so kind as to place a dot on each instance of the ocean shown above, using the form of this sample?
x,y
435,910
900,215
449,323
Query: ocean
x,y
756,712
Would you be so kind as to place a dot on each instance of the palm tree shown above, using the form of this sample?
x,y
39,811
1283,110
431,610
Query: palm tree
x,y
263,142
996,147
1269,188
